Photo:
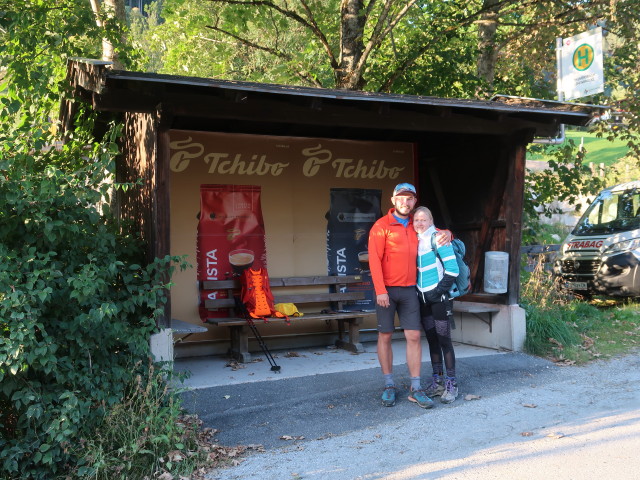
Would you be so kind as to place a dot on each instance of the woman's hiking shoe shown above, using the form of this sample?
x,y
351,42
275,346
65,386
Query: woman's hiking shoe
x,y
420,397
436,388
389,396
450,390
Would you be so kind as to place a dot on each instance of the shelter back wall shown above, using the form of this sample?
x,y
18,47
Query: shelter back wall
x,y
295,175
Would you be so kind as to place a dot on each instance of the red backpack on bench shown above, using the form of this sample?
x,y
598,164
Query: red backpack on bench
x,y
256,294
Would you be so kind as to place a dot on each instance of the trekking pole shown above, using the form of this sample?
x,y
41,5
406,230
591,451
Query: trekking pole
x,y
256,333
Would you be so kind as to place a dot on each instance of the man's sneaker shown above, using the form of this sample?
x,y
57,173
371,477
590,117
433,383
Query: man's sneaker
x,y
436,388
450,390
421,398
389,396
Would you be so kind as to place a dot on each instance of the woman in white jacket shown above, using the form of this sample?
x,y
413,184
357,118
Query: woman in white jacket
x,y
437,270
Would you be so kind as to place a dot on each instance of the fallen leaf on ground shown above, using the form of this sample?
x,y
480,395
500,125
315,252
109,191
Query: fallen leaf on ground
x,y
472,397
555,435
527,434
289,437
587,342
556,342
175,456
234,365
529,405
292,354
565,363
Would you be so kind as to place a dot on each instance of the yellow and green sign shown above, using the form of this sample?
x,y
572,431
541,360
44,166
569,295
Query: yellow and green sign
x,y
581,73
583,57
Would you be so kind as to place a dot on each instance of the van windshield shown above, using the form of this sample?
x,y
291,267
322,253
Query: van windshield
x,y
611,212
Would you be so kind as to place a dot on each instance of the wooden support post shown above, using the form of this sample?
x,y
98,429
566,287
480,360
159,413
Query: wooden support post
x,y
240,343
353,345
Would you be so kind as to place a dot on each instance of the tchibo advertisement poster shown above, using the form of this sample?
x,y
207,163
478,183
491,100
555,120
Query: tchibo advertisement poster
x,y
352,213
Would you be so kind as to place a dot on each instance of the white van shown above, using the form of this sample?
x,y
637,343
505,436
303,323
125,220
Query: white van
x,y
602,253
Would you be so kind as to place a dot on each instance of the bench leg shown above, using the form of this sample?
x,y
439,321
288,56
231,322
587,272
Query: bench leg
x,y
240,343
353,345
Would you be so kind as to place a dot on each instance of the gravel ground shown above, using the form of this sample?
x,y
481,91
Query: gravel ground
x,y
532,420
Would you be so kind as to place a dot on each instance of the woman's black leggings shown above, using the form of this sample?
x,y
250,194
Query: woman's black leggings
x,y
436,322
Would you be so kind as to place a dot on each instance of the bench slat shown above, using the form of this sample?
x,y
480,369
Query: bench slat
x,y
307,316
462,307
220,303
315,280
220,284
302,298
286,281
298,299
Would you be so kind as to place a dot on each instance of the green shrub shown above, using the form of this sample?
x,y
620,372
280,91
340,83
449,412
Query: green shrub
x,y
626,169
77,304
77,301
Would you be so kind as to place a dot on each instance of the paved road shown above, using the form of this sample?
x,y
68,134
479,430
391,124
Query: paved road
x,y
532,420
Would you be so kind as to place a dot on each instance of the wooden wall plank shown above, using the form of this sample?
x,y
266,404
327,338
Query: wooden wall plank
x,y
514,204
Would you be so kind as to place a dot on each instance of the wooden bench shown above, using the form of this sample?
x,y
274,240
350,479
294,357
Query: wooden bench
x,y
327,303
477,310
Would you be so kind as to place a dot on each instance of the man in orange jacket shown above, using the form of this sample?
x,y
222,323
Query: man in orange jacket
x,y
393,250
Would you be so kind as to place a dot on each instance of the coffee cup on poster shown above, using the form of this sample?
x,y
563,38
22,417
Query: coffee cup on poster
x,y
240,260
363,258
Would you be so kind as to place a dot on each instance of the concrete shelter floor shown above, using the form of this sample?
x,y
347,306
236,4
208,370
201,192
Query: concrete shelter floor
x,y
212,371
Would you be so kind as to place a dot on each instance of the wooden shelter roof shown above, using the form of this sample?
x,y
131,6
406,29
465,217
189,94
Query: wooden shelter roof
x,y
200,103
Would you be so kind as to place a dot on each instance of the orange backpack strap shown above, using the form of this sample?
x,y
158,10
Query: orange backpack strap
x,y
278,314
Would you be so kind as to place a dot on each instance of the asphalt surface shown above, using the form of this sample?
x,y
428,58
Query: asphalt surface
x,y
320,406
523,418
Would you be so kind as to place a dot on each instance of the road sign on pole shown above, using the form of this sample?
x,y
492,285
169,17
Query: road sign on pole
x,y
581,71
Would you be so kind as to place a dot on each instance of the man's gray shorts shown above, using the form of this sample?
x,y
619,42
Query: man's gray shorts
x,y
403,300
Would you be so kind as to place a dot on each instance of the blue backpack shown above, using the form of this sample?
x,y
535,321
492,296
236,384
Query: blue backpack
x,y
462,284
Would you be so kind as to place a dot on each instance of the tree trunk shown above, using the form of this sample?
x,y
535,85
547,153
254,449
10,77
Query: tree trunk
x,y
348,74
487,47
109,12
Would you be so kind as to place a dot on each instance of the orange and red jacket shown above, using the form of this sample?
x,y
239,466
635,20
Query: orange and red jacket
x,y
393,252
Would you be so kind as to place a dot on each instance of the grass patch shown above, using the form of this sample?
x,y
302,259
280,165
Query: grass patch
x,y
599,150
616,330
569,331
